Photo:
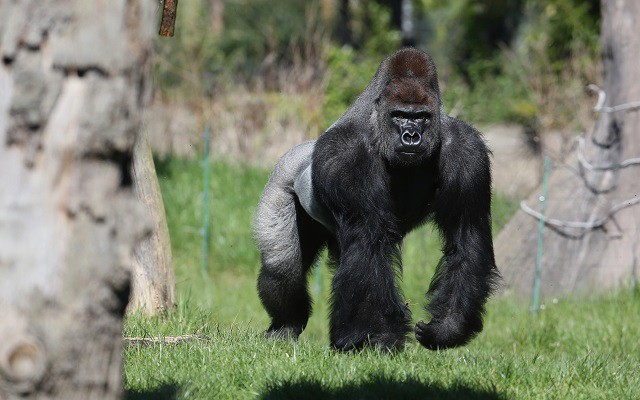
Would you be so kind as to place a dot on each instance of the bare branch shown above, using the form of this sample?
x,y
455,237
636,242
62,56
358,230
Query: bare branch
x,y
168,23
612,167
598,223
602,96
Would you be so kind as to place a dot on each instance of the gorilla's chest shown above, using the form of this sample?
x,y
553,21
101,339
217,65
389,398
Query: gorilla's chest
x,y
412,194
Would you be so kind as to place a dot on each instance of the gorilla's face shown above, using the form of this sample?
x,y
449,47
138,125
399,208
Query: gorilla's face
x,y
412,127
408,121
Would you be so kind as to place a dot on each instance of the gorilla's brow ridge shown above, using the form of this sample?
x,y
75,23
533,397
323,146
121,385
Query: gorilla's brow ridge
x,y
409,90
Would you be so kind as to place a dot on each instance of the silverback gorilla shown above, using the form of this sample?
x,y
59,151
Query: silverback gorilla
x,y
390,163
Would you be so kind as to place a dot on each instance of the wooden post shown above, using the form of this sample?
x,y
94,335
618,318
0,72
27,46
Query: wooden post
x,y
168,24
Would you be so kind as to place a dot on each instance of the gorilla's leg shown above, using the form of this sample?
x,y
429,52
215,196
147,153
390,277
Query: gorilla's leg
x,y
290,243
282,283
367,305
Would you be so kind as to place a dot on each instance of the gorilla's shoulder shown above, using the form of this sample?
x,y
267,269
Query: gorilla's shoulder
x,y
459,136
341,141
464,155
292,163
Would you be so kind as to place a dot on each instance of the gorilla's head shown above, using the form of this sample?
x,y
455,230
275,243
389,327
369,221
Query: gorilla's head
x,y
406,115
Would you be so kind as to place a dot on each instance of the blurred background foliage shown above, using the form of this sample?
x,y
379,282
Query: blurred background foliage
x,y
261,73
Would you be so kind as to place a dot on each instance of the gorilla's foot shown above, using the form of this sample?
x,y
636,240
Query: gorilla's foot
x,y
284,332
387,342
444,334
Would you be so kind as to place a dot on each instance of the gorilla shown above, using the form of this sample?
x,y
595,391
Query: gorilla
x,y
393,161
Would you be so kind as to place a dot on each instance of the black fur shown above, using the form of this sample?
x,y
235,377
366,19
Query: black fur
x,y
377,189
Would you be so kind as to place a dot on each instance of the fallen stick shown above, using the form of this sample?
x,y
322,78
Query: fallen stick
x,y
165,339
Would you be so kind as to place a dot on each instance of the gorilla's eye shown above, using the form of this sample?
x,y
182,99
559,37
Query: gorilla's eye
x,y
424,116
400,118
411,113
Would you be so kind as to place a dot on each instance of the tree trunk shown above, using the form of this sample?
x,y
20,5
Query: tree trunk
x,y
587,260
153,282
406,23
74,77
216,16
344,23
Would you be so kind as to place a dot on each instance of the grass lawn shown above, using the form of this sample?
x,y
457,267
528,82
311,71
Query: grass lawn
x,y
574,348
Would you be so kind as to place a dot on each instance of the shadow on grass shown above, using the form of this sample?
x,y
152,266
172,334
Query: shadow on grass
x,y
376,388
163,392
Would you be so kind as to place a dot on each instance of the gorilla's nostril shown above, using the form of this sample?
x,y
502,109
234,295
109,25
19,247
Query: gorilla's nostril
x,y
407,138
410,138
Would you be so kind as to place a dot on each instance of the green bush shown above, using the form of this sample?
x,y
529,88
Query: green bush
x,y
563,26
347,76
522,61
256,41
260,37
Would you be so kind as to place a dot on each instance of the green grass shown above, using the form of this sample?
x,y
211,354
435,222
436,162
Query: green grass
x,y
574,348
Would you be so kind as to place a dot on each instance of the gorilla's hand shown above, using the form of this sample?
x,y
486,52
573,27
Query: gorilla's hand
x,y
444,334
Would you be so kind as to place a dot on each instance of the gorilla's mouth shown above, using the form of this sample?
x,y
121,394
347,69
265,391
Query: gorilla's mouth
x,y
411,151
410,155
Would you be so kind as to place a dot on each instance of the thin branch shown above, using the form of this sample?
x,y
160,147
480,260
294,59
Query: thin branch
x,y
165,339
591,187
168,23
611,167
584,163
602,97
598,223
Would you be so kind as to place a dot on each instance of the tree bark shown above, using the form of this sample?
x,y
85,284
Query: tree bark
x,y
74,77
168,23
153,281
593,259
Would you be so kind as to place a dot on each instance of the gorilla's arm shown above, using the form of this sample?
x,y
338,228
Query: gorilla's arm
x,y
350,181
465,274
309,201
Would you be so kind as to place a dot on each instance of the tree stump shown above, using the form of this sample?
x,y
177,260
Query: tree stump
x,y
153,281
74,78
